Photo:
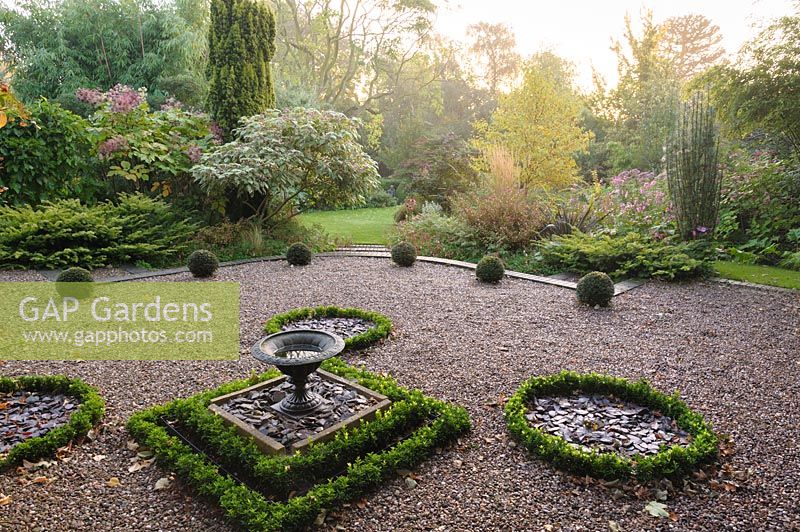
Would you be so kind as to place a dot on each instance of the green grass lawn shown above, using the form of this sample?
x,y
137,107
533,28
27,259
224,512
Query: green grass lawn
x,y
359,226
758,274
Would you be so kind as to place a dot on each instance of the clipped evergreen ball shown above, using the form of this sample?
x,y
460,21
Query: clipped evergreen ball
x,y
298,254
490,269
64,281
404,254
595,288
203,263
75,275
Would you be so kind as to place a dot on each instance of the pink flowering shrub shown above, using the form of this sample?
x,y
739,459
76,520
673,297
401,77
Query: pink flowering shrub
x,y
147,150
641,202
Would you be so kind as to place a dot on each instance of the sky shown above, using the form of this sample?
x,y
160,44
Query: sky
x,y
582,30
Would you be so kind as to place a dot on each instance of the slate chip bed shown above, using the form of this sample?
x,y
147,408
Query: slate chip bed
x,y
344,327
339,404
730,350
606,424
25,415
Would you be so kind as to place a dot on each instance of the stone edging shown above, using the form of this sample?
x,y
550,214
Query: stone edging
x,y
748,284
619,288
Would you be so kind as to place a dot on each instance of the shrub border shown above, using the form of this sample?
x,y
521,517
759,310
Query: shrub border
x,y
364,470
382,328
674,462
84,418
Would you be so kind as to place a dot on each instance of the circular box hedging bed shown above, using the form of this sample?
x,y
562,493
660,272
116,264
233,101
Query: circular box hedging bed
x,y
89,412
673,462
381,329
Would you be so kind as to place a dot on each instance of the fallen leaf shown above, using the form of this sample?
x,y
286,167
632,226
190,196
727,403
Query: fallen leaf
x,y
113,482
661,495
3,406
403,472
411,483
614,526
657,509
98,457
5,499
132,445
91,435
362,503
42,480
162,484
320,520
145,454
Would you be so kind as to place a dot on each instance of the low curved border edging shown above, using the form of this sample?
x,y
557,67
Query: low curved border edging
x,y
382,328
91,409
673,462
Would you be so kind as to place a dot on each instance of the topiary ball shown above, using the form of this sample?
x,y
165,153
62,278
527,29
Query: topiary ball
x,y
202,263
75,275
404,254
298,254
595,288
64,281
490,269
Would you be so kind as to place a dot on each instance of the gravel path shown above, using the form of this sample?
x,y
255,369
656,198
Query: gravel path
x,y
732,351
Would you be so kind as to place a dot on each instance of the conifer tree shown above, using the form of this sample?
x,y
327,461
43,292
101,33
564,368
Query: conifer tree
x,y
241,42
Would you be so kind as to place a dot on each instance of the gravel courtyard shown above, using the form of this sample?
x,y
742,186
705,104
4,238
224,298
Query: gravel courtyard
x,y
733,352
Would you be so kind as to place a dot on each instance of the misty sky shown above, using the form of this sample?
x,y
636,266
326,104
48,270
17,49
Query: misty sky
x,y
581,30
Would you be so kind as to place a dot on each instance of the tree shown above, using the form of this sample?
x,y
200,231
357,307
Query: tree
x,y
640,110
279,158
763,90
241,42
538,124
690,44
440,169
494,50
348,55
57,47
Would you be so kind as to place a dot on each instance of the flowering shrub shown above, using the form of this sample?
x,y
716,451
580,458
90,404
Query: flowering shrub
x,y
641,202
149,150
759,211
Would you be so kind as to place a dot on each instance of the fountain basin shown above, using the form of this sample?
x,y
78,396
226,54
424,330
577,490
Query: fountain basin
x,y
298,354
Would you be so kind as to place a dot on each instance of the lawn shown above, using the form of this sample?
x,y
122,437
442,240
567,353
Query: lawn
x,y
359,226
758,274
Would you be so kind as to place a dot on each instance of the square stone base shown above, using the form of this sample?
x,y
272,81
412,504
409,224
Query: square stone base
x,y
273,447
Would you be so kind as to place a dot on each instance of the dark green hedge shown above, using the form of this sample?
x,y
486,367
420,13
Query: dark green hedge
x,y
382,328
340,470
672,462
84,418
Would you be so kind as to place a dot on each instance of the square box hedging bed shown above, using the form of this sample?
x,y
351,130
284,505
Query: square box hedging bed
x,y
264,492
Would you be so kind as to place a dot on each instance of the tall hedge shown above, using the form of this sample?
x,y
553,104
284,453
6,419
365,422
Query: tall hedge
x,y
47,159
241,42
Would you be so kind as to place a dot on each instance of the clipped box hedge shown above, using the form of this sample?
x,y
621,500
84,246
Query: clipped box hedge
x,y
672,462
382,328
326,475
89,412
